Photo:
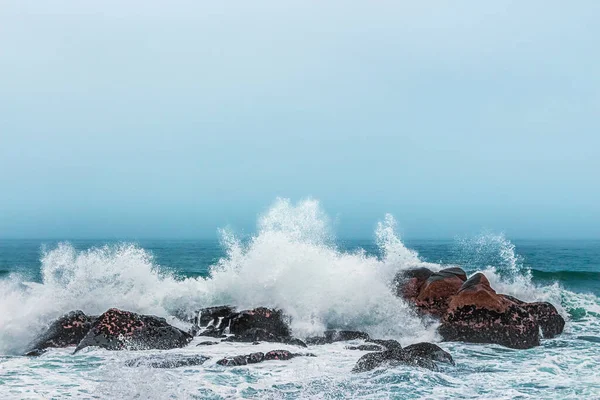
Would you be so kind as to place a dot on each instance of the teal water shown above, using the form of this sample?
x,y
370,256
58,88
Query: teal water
x,y
321,284
575,264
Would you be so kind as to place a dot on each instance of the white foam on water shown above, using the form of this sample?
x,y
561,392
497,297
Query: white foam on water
x,y
292,263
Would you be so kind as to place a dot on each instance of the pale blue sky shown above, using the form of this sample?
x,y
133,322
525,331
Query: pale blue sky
x,y
170,119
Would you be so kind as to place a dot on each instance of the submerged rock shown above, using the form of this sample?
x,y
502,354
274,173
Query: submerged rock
x,y
118,330
67,330
365,347
261,335
478,314
254,358
167,361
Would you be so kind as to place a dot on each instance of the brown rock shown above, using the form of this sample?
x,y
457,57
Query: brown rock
x,y
478,314
438,289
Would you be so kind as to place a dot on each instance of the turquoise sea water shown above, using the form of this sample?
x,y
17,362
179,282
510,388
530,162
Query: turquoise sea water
x,y
321,283
573,263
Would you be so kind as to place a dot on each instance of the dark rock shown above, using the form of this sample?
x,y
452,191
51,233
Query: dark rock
x,y
388,344
233,361
279,355
332,336
118,330
551,322
365,347
212,331
428,351
66,331
207,343
370,361
261,335
547,316
35,352
478,314
272,321
421,355
167,361
259,357
215,316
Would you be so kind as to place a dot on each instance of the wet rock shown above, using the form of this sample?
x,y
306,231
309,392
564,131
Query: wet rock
x,y
212,331
408,283
272,321
365,347
478,314
66,331
35,352
215,316
332,336
167,361
388,344
437,291
371,361
261,335
118,330
207,343
428,351
279,355
260,357
551,322
421,355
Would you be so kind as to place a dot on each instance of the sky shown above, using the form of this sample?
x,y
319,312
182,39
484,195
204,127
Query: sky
x,y
148,119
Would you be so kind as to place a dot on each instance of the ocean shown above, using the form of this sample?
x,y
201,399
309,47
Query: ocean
x,y
294,262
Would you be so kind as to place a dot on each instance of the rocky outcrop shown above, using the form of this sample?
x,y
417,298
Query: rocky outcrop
x,y
260,357
436,292
546,315
261,335
118,330
215,316
272,321
428,351
167,361
422,355
67,330
478,314
470,310
408,283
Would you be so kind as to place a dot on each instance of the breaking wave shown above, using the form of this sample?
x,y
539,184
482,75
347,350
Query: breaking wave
x,y
292,263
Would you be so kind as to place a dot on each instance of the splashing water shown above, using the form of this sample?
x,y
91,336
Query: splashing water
x,y
292,263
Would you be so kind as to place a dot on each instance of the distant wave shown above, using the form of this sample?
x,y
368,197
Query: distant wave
x,y
565,276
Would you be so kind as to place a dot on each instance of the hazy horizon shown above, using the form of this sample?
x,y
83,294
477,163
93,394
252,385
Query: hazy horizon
x,y
155,120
